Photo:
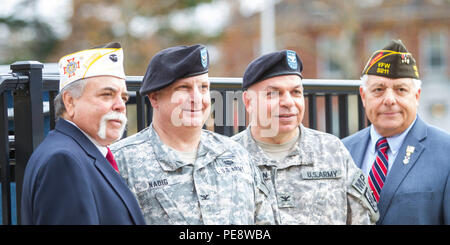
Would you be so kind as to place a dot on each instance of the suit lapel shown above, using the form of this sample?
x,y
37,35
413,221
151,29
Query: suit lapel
x,y
102,165
117,183
400,170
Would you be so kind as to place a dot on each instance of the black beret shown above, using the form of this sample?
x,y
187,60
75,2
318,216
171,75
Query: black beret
x,y
174,63
393,61
280,63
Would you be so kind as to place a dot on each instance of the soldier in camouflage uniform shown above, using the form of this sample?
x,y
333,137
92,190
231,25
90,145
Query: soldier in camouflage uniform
x,y
310,174
180,173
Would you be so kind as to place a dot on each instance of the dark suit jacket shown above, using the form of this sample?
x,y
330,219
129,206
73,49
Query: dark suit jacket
x,y
417,192
68,181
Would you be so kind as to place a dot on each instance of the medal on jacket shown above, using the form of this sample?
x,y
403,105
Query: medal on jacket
x,y
409,151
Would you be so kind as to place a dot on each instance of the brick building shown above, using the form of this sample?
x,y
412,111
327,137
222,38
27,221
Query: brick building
x,y
335,38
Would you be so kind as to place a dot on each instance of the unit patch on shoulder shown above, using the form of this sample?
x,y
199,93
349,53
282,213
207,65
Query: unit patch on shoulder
x,y
359,183
371,200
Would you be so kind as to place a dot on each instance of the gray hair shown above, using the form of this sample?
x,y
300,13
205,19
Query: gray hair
x,y
75,89
365,77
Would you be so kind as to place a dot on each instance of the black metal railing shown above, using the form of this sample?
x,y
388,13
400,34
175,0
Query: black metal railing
x,y
27,84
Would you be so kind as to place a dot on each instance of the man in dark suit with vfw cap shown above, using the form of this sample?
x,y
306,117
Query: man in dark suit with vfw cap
x,y
71,177
180,173
406,161
311,176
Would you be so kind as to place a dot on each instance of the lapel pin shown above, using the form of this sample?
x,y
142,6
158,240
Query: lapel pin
x,y
409,151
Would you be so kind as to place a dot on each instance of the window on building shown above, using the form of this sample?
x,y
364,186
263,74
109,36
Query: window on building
x,y
433,46
329,54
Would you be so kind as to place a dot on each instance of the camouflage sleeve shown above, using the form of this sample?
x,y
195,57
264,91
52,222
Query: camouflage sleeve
x,y
263,209
362,207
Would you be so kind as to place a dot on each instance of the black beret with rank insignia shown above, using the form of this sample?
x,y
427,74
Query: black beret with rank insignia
x,y
174,63
393,61
274,64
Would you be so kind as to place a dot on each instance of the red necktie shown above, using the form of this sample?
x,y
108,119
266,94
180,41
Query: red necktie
x,y
378,173
111,160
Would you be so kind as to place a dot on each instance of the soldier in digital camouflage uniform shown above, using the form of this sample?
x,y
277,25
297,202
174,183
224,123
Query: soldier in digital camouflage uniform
x,y
310,174
180,173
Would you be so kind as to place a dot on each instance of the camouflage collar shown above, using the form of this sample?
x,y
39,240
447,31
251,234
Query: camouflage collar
x,y
165,156
258,154
301,154
208,150
303,149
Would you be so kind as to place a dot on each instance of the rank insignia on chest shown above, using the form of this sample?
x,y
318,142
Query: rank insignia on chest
x,y
285,200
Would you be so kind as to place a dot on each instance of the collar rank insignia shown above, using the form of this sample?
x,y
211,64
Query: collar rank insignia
x,y
285,198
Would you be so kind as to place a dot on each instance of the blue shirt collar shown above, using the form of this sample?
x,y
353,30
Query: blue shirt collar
x,y
395,142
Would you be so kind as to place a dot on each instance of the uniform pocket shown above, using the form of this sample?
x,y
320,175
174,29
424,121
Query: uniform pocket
x,y
169,206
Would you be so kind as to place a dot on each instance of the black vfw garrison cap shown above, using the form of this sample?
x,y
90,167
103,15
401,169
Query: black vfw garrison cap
x,y
174,63
285,62
393,61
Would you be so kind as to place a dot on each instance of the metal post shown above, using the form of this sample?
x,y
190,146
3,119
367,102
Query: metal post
x,y
343,115
4,161
361,114
233,115
140,107
228,109
149,111
219,119
329,113
28,119
51,97
312,111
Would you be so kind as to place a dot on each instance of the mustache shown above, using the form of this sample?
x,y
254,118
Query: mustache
x,y
114,115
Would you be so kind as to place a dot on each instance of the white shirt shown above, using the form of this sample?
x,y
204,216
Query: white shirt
x,y
394,142
101,148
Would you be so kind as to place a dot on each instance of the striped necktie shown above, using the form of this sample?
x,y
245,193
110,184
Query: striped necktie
x,y
378,172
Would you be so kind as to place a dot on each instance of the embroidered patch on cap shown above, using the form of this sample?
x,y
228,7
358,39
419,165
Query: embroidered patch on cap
x,y
291,59
106,60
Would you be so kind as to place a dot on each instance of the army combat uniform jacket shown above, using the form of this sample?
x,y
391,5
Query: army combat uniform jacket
x,y
222,187
317,183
